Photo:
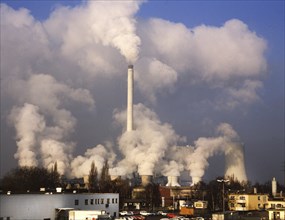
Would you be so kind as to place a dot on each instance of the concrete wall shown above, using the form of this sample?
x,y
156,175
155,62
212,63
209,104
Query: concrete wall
x,y
41,206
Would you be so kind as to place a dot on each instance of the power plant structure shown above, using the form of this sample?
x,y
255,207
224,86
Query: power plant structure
x,y
172,181
234,156
130,98
145,179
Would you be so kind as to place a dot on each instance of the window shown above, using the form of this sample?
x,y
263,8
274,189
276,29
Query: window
x,y
91,201
242,197
86,201
113,200
76,202
108,201
258,197
102,201
116,200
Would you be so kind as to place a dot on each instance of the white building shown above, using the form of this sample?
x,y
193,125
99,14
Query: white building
x,y
45,206
276,209
247,202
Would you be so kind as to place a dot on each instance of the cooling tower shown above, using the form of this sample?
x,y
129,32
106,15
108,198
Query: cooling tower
x,y
146,179
172,181
114,177
234,162
130,98
195,180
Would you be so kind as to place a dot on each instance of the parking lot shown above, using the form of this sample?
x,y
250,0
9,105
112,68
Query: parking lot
x,y
155,216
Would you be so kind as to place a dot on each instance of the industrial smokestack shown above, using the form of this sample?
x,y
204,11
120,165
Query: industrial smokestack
x,y
130,98
172,181
274,187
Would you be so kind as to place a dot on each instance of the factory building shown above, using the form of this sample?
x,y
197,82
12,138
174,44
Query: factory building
x,y
47,206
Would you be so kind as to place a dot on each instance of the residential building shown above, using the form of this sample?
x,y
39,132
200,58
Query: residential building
x,y
247,202
276,208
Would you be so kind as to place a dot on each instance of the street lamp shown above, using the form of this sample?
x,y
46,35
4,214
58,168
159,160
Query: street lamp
x,y
223,181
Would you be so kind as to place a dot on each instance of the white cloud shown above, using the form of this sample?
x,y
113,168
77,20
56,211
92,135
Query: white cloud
x,y
41,64
242,96
28,124
145,147
207,51
153,76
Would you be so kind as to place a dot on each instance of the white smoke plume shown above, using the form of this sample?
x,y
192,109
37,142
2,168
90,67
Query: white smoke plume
x,y
28,123
103,27
41,138
227,64
207,147
176,160
153,76
145,147
116,27
237,51
73,45
173,168
55,151
81,164
152,148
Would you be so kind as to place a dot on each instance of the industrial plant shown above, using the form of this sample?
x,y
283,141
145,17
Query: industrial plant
x,y
148,186
148,157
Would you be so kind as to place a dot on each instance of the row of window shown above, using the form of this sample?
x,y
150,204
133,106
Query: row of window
x,y
240,197
97,201
243,198
232,205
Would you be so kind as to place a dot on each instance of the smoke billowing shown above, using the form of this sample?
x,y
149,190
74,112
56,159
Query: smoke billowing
x,y
55,68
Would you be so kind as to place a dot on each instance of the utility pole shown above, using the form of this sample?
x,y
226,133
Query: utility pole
x,y
223,181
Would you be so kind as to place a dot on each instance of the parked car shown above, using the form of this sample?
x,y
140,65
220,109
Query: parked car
x,y
170,215
161,213
145,213
123,213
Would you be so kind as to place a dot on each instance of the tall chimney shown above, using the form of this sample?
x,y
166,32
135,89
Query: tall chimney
x,y
274,187
130,98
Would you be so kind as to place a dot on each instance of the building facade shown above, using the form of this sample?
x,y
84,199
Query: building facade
x,y
45,206
276,209
247,202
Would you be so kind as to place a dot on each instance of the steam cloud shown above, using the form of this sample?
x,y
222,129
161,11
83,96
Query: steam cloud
x,y
53,59
28,122
37,137
144,148
226,141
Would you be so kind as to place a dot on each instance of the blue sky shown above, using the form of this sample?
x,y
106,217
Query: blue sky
x,y
191,106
